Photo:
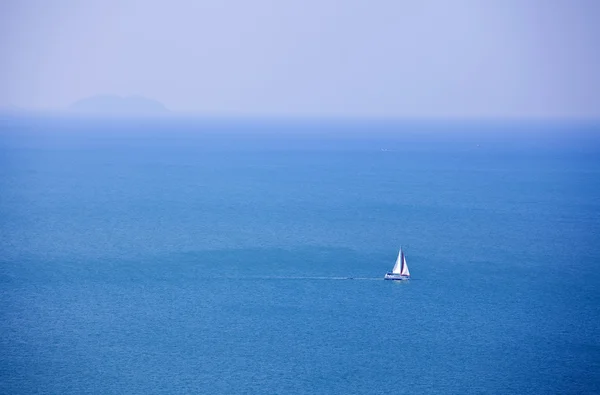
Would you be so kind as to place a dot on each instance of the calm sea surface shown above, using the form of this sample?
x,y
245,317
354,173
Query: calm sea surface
x,y
213,257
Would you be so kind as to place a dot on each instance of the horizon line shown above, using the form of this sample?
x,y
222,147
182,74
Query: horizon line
x,y
17,112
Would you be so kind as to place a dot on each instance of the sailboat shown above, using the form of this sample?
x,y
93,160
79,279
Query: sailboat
x,y
400,270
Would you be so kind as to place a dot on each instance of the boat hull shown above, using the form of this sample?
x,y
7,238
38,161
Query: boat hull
x,y
395,277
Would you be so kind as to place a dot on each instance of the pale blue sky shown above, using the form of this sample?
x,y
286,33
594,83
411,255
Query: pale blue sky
x,y
421,58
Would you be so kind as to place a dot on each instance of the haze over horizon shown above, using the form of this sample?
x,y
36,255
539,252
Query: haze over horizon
x,y
308,58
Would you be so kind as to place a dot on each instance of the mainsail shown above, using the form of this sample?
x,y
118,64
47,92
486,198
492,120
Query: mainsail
x,y
404,271
398,266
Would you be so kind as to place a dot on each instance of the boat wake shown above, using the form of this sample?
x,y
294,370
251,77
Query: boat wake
x,y
310,278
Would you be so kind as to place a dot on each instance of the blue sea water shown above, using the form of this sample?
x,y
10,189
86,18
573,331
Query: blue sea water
x,y
188,256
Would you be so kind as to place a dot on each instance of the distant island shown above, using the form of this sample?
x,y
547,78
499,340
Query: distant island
x,y
118,105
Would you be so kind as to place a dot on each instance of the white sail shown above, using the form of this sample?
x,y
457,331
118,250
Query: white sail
x,y
404,271
398,266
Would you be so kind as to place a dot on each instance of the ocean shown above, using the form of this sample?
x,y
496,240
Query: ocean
x,y
247,256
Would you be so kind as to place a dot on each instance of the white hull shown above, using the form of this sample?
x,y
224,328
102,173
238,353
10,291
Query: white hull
x,y
397,277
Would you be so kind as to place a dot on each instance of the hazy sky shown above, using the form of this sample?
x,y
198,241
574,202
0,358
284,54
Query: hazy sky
x,y
310,57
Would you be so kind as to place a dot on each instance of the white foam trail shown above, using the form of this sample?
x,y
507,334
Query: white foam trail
x,y
310,278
